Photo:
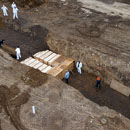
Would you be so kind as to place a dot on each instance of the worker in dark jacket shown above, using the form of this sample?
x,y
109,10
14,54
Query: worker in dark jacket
x,y
1,42
98,83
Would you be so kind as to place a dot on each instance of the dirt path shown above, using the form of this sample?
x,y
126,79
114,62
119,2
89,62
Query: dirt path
x,y
106,96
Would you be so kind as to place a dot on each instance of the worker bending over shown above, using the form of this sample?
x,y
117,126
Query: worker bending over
x,y
18,53
67,75
4,8
79,66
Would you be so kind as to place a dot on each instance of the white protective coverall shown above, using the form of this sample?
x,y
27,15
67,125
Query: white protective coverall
x,y
13,5
15,13
79,66
18,53
4,8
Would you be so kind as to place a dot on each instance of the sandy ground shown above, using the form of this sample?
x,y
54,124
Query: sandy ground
x,y
84,83
60,107
115,9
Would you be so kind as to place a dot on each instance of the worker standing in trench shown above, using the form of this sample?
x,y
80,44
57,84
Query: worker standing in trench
x,y
18,53
79,66
1,42
15,13
67,75
98,83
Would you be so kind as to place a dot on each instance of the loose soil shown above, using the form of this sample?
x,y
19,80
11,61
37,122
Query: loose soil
x,y
86,84
34,77
29,45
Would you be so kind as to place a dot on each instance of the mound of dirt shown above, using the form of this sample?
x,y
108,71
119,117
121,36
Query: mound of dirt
x,y
34,78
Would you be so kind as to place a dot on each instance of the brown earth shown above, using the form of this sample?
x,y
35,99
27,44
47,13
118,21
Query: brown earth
x,y
34,78
58,106
30,3
29,45
105,96
97,38
84,83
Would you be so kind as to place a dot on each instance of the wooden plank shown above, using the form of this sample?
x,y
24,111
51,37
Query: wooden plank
x,y
53,59
38,65
49,58
56,72
55,64
42,67
26,60
44,56
29,62
68,64
120,88
61,59
59,71
46,69
34,63
58,61
39,54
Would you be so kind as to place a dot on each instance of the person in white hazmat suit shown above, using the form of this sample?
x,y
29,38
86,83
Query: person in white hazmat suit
x,y
18,53
79,66
13,5
15,12
4,8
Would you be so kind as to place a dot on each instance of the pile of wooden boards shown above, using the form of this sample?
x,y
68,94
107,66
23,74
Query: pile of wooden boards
x,y
50,63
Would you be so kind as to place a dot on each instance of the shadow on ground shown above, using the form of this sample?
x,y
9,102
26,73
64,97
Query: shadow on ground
x,y
106,96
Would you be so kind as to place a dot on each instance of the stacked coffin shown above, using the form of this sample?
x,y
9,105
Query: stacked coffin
x,y
36,64
50,63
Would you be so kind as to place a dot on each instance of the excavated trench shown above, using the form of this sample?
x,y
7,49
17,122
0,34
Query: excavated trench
x,y
30,43
105,96
34,41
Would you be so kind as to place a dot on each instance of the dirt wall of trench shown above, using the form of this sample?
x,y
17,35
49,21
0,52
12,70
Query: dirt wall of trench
x,y
79,43
94,61
107,67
